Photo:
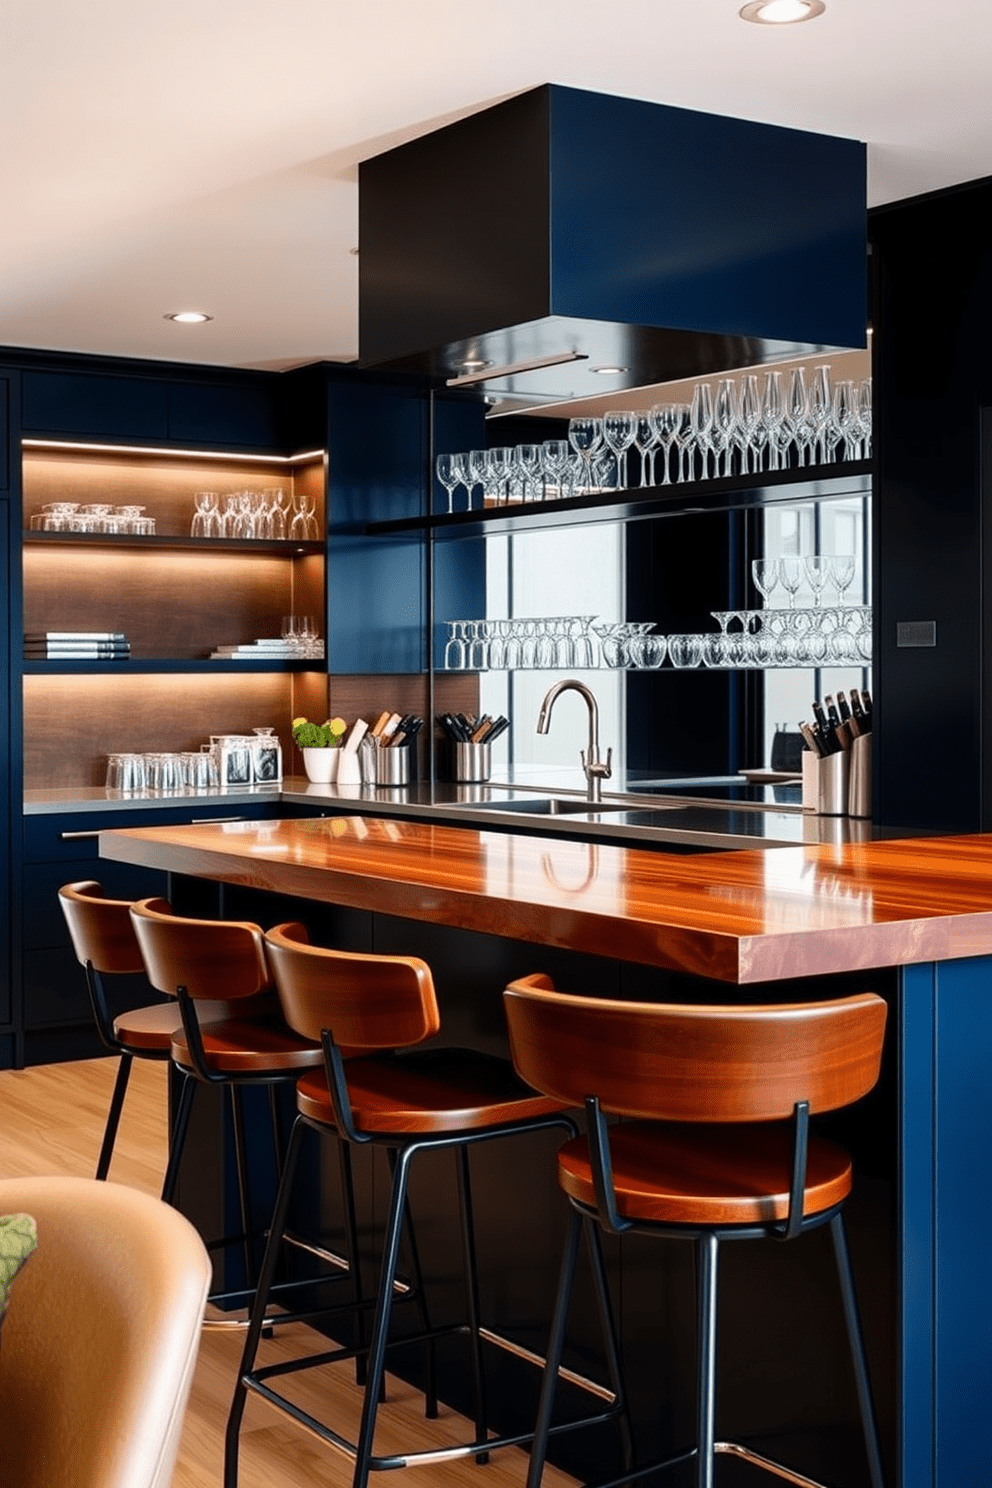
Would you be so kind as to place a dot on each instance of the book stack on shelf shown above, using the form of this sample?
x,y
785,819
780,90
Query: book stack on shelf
x,y
76,645
275,649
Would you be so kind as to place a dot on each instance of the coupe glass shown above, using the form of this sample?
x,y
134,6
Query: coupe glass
x,y
586,436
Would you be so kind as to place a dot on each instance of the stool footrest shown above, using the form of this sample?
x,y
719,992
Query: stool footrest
x,y
405,1459
729,1449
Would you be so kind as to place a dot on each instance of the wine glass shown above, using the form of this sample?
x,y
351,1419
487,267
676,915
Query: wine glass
x,y
864,417
817,574
619,429
791,573
586,436
278,509
684,438
843,423
842,572
820,407
499,468
529,463
764,572
645,442
474,464
450,475
666,420
797,414
702,421
753,435
556,456
724,423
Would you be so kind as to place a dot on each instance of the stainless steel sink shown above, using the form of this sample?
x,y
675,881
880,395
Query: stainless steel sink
x,y
554,806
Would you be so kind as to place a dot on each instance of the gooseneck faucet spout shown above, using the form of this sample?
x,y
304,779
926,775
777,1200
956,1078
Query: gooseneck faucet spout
x,y
595,769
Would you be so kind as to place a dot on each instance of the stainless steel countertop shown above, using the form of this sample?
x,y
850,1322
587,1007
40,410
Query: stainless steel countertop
x,y
657,818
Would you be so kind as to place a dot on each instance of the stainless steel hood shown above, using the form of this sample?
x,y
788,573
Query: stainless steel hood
x,y
578,231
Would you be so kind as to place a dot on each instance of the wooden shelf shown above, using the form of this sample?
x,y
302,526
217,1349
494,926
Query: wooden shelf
x,y
814,483
269,547
163,667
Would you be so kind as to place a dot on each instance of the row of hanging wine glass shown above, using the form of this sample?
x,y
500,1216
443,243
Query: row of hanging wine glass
x,y
744,430
766,638
261,515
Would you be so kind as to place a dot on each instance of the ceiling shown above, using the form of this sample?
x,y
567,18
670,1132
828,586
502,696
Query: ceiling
x,y
185,154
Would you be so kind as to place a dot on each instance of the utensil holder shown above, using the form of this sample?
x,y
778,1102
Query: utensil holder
x,y
826,783
473,762
859,785
393,766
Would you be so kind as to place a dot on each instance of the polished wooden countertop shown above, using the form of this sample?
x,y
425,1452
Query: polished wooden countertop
x,y
738,917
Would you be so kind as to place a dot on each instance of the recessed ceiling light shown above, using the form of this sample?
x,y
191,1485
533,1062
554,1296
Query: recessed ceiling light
x,y
187,317
781,12
609,371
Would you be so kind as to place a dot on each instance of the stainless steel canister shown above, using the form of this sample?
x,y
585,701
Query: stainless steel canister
x,y
473,762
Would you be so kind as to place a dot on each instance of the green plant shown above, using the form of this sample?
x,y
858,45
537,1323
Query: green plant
x,y
307,735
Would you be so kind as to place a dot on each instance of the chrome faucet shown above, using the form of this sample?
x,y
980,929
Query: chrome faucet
x,y
596,771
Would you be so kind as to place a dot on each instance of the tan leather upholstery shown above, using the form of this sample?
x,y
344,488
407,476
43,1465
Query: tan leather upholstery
x,y
100,1342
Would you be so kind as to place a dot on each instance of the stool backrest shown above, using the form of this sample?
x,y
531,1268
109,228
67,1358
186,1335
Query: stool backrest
x,y
695,1063
217,959
100,928
367,1002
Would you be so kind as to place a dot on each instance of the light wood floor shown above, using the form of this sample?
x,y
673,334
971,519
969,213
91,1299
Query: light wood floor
x,y
51,1121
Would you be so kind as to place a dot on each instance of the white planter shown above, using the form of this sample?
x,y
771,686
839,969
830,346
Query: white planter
x,y
321,765
349,771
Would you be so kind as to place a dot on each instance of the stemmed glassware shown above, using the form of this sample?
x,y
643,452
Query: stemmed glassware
x,y
765,573
449,473
205,516
667,420
702,421
646,439
797,415
529,462
772,415
820,409
556,459
586,436
724,423
752,435
791,572
619,429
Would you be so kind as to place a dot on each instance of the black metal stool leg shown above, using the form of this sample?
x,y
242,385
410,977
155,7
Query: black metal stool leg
x,y
278,1143
380,1325
707,1251
430,1371
241,1163
114,1115
351,1234
857,1345
556,1344
259,1305
472,1297
177,1139
610,1344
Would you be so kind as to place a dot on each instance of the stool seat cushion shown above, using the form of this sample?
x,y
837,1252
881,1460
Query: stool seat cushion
x,y
707,1175
429,1091
249,1046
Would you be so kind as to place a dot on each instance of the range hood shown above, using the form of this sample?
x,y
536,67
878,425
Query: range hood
x,y
563,231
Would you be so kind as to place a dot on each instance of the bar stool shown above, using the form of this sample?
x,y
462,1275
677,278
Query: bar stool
x,y
409,1103
105,945
717,1148
206,964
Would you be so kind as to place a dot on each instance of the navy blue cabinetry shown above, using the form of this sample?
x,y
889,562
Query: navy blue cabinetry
x,y
85,403
54,1016
4,434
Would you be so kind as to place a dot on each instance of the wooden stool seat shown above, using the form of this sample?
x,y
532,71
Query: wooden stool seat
x,y
714,1175
148,1028
434,1090
249,1046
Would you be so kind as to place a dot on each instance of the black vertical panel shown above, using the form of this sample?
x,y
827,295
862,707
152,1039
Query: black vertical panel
x,y
933,321
4,434
681,722
378,441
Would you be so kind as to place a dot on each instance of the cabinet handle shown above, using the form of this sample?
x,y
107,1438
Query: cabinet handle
x,y
210,821
76,836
